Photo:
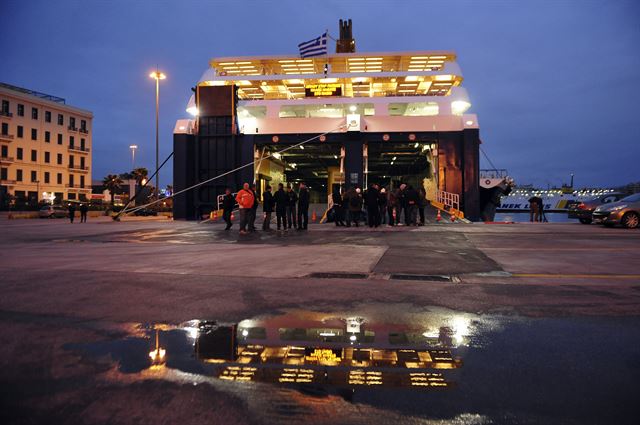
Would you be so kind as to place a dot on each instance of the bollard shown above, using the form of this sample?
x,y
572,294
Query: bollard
x,y
439,216
314,217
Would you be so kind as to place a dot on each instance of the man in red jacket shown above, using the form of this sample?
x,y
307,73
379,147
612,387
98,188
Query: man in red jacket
x,y
245,200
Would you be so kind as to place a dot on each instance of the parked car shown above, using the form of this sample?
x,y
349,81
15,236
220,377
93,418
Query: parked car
x,y
53,211
583,211
625,212
145,212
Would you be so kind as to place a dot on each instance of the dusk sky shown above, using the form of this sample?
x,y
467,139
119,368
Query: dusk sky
x,y
555,83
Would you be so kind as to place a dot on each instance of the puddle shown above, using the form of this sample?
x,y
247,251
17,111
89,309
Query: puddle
x,y
434,363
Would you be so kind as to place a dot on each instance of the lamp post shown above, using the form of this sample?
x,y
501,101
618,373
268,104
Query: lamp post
x,y
133,156
157,75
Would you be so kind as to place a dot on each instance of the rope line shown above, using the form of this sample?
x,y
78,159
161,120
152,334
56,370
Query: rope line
x,y
232,171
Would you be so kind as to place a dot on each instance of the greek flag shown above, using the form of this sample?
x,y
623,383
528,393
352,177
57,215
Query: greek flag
x,y
315,47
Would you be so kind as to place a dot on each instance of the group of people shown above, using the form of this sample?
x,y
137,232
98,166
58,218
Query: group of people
x,y
375,206
291,208
84,210
379,205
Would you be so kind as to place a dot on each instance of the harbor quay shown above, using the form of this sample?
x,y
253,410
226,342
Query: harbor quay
x,y
150,318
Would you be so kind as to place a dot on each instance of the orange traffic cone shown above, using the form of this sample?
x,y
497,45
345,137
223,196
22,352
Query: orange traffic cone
x,y
438,217
233,217
215,215
314,217
453,217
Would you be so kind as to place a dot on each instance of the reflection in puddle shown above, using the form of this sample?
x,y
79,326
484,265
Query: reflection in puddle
x,y
335,352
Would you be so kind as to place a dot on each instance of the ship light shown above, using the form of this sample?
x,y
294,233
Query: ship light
x,y
191,106
459,107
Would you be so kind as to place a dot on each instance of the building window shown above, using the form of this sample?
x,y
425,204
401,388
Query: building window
x,y
47,116
34,113
4,173
82,144
18,175
71,161
20,131
71,141
34,176
19,153
59,139
82,182
20,110
34,134
47,157
47,136
5,128
83,124
59,178
82,162
71,180
59,159
60,119
72,196
4,152
5,106
72,122
34,155
46,177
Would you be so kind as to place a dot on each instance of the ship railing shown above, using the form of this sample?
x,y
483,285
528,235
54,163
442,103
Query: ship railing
x,y
451,201
493,173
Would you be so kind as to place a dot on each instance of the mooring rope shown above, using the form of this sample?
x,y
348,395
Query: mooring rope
x,y
252,163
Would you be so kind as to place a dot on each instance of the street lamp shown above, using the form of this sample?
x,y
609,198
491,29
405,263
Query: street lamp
x,y
133,156
157,75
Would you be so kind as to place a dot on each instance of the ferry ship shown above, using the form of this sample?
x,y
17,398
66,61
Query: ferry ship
x,y
513,198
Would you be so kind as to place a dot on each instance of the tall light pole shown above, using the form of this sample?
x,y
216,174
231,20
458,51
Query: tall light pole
x,y
157,75
133,156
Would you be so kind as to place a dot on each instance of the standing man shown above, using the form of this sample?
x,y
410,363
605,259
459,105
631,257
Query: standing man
x,y
338,210
355,207
84,209
371,202
303,207
411,199
422,203
382,205
282,201
227,207
254,209
267,208
392,206
245,202
402,205
72,212
291,207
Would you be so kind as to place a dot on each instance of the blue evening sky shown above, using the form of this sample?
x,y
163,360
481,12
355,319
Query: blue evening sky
x,y
555,83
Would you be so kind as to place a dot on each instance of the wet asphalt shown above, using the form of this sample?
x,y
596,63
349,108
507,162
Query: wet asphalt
x,y
80,307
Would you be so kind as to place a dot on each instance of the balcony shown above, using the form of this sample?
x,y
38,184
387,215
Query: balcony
x,y
77,187
5,182
74,167
72,128
79,149
83,130
6,138
6,114
6,160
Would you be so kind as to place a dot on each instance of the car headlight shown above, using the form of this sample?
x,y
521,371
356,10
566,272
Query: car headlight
x,y
619,207
598,209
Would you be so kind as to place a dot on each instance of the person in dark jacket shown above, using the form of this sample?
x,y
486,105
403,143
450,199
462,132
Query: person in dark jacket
x,y
291,208
254,209
303,207
392,206
267,208
402,205
353,199
382,205
228,202
371,199
84,209
422,203
338,209
282,201
411,200
72,212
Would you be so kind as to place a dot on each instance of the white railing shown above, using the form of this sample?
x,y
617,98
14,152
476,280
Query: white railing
x,y
448,199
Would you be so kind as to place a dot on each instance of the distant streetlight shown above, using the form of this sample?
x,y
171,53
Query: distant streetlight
x,y
133,156
157,75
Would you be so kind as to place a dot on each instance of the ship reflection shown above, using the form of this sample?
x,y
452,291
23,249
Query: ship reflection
x,y
345,353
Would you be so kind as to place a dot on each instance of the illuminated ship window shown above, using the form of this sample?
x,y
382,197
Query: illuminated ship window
x,y
296,375
238,373
362,377
415,109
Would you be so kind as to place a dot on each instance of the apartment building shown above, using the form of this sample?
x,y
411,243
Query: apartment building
x,y
45,147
